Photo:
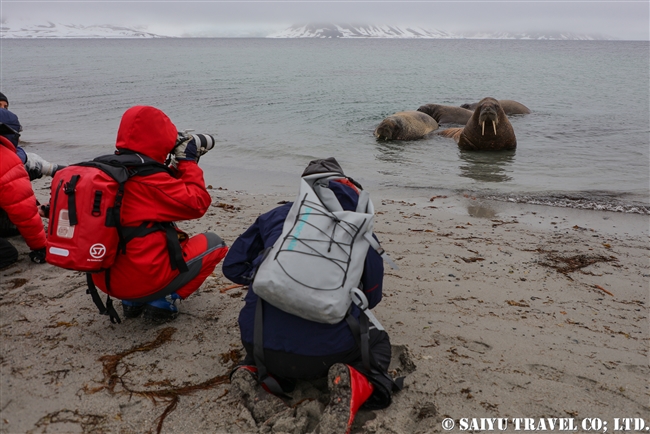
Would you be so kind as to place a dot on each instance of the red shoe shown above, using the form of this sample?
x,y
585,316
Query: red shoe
x,y
349,389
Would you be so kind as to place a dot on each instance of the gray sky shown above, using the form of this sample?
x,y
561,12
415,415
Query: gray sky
x,y
620,19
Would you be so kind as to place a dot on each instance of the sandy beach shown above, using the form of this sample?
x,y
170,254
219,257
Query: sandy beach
x,y
497,310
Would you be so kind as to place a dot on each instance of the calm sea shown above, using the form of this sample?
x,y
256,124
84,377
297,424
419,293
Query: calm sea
x,y
273,105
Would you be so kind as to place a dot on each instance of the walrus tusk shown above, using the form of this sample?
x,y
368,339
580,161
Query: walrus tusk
x,y
483,128
494,125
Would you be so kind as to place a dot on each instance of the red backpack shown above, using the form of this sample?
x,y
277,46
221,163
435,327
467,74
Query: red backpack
x,y
85,233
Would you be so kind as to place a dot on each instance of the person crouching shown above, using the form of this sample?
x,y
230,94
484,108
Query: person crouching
x,y
143,277
295,348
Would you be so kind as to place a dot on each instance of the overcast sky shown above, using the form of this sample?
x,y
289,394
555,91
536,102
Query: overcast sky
x,y
620,19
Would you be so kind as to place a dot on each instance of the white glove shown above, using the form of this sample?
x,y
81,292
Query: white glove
x,y
190,147
37,166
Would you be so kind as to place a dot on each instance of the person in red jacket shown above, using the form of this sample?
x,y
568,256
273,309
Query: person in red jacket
x,y
18,201
143,277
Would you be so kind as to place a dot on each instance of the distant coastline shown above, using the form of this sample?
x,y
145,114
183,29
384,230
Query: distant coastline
x,y
51,30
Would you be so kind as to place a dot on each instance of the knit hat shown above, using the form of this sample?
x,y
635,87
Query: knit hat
x,y
10,126
4,98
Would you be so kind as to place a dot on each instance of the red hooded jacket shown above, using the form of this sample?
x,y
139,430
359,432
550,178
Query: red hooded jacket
x,y
161,197
17,197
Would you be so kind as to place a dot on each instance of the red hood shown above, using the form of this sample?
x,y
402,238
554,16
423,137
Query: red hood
x,y
147,130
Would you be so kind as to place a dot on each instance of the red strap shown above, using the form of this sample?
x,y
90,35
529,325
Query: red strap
x,y
346,181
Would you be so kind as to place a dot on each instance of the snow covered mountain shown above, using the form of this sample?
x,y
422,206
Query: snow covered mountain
x,y
387,31
540,36
52,30
358,31
27,30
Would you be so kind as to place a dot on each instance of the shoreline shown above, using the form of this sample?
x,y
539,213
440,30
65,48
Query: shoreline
x,y
462,203
234,174
265,181
497,310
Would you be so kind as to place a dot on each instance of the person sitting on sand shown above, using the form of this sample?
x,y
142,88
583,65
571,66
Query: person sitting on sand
x,y
300,349
147,277
19,205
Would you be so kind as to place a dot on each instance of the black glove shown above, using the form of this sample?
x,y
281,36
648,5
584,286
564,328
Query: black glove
x,y
38,256
34,174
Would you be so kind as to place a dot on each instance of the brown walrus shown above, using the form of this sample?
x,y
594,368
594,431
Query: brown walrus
x,y
487,130
446,114
509,106
408,125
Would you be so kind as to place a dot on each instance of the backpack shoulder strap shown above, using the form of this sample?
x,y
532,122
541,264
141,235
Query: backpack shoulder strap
x,y
364,204
136,164
118,172
263,378
375,245
109,309
361,332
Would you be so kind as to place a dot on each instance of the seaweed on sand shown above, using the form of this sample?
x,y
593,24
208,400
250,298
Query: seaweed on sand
x,y
569,264
89,423
170,395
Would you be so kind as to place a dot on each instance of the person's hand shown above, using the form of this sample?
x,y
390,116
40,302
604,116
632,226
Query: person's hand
x,y
185,149
44,211
191,147
37,166
33,166
38,256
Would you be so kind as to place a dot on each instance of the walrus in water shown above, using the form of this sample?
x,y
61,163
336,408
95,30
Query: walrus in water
x,y
487,130
446,114
408,125
509,106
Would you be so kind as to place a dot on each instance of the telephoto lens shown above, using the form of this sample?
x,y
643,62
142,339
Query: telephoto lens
x,y
204,142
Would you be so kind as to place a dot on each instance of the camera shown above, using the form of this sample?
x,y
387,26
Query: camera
x,y
203,142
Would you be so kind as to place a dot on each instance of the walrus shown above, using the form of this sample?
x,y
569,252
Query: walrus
x,y
509,106
445,114
407,125
487,130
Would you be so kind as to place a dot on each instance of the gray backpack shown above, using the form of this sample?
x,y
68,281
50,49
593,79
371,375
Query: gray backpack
x,y
314,268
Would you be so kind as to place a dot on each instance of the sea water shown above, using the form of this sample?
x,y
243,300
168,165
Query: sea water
x,y
273,105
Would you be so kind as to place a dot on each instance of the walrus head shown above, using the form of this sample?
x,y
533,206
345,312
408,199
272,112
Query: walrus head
x,y
488,109
388,129
429,109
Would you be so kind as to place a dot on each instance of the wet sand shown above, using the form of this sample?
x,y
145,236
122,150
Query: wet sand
x,y
497,310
